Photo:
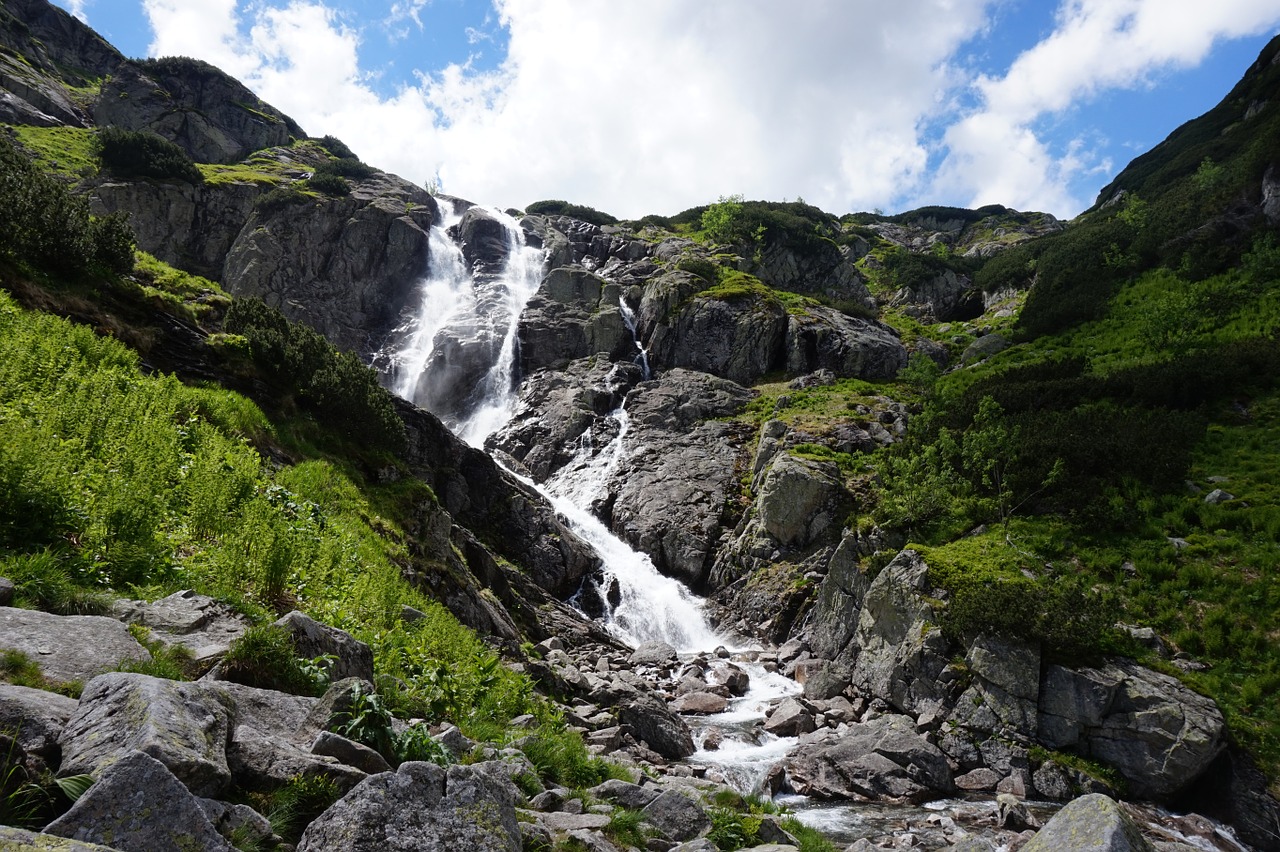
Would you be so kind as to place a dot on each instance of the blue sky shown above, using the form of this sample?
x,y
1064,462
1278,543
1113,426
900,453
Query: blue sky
x,y
652,106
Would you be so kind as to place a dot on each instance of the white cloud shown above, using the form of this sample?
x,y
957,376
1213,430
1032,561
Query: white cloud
x,y
651,106
77,8
633,106
995,154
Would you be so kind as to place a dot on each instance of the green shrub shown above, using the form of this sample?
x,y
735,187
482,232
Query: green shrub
x,y
563,208
337,148
561,757
346,168
367,721
140,153
416,743
278,199
329,184
293,807
265,657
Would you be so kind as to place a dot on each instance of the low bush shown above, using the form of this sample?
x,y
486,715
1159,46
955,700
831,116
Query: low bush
x,y
555,207
329,184
140,153
265,657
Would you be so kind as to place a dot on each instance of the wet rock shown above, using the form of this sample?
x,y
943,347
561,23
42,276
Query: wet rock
x,y
655,653
183,725
663,731
700,703
978,779
1092,822
574,314
424,808
137,805
69,647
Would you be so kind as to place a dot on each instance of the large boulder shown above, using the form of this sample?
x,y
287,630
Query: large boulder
x,y
69,647
1154,731
1004,689
663,731
884,759
35,718
838,606
198,623
1091,823
137,805
351,657
422,807
798,498
677,816
902,650
183,725
739,336
21,840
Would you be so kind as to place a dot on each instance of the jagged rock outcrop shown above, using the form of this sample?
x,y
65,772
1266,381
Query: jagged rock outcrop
x,y
823,269
203,110
946,297
352,261
56,49
424,808
573,315
820,338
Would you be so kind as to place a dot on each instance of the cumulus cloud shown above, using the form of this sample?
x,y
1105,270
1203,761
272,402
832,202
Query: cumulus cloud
x,y
643,106
996,155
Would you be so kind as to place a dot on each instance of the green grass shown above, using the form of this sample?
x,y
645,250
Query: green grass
x,y
67,151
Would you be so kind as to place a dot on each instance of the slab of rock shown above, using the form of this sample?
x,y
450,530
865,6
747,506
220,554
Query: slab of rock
x,y
204,626
884,759
790,718
350,753
1157,733
653,654
137,805
560,821
183,725
353,658
69,647
422,807
36,719
677,816
700,703
797,499
627,795
21,840
1092,823
1005,688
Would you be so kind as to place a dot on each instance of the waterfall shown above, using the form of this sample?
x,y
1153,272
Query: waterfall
x,y
460,318
629,319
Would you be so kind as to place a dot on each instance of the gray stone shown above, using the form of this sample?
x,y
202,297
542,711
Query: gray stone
x,y
1157,733
6,591
351,753
677,816
1051,782
1092,823
69,647
1218,495
850,347
20,840
422,807
664,732
35,718
561,821
881,759
700,703
624,794
353,658
137,805
653,654
790,718
183,725
1005,688
796,499
983,348
1012,813
981,778
239,823
204,626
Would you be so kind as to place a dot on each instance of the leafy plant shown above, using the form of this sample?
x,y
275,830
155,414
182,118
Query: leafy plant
x,y
264,656
291,808
141,153
416,743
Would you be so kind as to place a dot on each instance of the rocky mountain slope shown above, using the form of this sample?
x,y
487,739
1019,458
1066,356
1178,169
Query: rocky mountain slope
x,y
946,465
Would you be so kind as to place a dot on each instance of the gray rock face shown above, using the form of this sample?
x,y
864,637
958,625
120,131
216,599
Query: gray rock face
x,y
902,650
1005,689
574,314
1092,823
883,759
739,339
797,499
68,647
1156,732
36,719
190,227
206,112
946,297
137,805
484,240
823,338
183,725
839,604
825,270
344,266
422,807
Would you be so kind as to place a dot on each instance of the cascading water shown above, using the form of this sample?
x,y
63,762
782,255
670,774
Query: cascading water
x,y
646,605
